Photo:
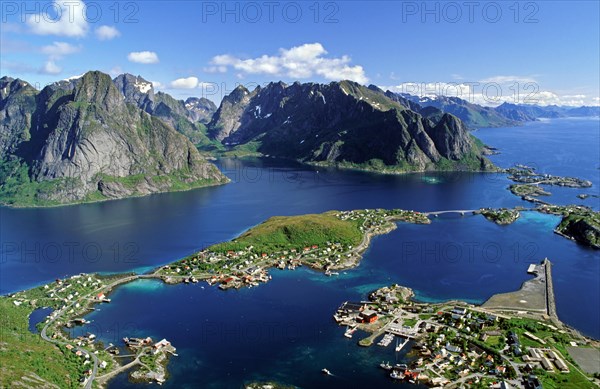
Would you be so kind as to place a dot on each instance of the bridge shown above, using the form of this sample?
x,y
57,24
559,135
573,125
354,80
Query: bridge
x,y
461,212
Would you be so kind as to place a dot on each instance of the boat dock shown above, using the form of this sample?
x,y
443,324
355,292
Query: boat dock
x,y
400,346
386,340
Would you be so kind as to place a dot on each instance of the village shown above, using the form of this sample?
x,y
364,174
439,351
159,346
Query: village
x,y
454,344
71,299
248,267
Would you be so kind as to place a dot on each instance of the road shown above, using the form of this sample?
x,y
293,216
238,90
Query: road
x,y
93,357
90,380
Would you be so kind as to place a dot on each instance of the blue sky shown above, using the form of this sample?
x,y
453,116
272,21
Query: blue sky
x,y
485,52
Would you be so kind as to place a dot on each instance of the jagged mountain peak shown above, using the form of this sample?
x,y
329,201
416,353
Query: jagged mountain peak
x,y
342,123
81,140
137,82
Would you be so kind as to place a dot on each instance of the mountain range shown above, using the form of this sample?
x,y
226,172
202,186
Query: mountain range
x,y
93,138
345,124
505,115
80,140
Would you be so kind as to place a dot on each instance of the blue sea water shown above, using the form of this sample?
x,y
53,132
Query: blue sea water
x,y
284,330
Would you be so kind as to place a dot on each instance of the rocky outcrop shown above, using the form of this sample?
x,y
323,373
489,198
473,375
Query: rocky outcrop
x,y
230,113
137,91
17,105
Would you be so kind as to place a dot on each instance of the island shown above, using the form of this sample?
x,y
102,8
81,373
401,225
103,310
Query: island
x,y
515,338
578,223
528,175
502,216
528,183
525,190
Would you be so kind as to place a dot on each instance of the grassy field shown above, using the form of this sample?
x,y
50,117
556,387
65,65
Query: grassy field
x,y
295,232
571,380
26,359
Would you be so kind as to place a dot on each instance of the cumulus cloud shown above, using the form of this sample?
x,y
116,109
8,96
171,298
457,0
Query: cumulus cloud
x,y
157,84
297,62
115,71
67,19
58,50
51,68
215,69
144,57
184,83
105,33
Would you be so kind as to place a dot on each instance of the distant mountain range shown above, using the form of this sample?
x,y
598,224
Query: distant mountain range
x,y
93,138
504,115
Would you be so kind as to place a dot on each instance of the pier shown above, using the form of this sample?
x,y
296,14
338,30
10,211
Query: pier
x,y
536,296
550,301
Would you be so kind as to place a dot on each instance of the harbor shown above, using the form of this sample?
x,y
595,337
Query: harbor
x,y
458,343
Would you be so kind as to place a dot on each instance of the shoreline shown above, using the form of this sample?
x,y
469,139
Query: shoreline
x,y
133,196
386,224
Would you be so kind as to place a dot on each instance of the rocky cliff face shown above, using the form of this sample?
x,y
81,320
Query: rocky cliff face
x,y
188,117
17,104
136,91
344,123
86,142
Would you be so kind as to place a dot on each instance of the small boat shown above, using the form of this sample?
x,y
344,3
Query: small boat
x,y
385,366
325,371
396,376
349,332
401,366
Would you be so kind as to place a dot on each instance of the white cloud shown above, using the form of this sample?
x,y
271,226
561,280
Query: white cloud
x,y
432,89
58,50
488,94
115,71
157,84
297,62
51,68
145,57
105,33
215,69
66,19
184,83
508,79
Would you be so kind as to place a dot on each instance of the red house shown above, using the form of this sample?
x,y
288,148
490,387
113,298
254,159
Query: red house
x,y
368,316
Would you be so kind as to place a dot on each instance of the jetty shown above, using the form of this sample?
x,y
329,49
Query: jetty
x,y
536,296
